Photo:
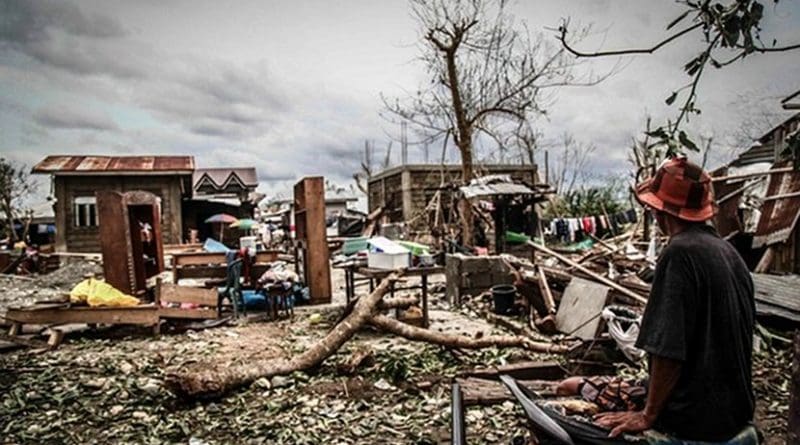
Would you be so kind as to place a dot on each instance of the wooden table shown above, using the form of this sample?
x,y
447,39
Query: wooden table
x,y
371,274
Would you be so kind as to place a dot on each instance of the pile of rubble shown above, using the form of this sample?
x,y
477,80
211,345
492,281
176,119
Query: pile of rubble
x,y
19,290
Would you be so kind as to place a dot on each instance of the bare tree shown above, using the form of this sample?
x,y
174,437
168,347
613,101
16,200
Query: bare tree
x,y
15,184
571,164
488,75
731,31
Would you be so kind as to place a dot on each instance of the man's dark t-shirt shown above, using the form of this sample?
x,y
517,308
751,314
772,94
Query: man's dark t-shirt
x,y
701,312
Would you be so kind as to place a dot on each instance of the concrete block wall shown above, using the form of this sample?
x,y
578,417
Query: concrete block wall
x,y
472,275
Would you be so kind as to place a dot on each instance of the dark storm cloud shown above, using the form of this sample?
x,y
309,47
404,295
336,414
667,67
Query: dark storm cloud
x,y
27,21
217,99
73,119
61,35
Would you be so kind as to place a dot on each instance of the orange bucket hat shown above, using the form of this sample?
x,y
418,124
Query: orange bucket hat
x,y
681,189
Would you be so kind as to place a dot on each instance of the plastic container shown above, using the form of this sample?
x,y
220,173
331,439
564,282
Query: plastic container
x,y
253,300
517,238
503,295
248,242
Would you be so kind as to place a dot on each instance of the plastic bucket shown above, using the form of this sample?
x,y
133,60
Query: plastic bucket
x,y
503,295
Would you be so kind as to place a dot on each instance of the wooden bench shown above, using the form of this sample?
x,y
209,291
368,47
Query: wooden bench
x,y
167,293
61,314
213,265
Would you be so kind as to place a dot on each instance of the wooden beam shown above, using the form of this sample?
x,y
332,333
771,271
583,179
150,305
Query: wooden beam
x,y
529,370
483,392
547,295
593,275
144,315
766,260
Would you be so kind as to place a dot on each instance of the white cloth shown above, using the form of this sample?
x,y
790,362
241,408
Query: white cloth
x,y
625,338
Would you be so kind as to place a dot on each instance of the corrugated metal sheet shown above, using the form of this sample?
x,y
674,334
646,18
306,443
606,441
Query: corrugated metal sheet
x,y
779,216
114,164
727,218
494,185
776,295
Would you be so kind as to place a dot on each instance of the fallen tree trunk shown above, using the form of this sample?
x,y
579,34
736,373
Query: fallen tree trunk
x,y
462,342
210,383
398,303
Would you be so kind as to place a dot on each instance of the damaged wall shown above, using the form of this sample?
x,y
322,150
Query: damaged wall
x,y
72,238
473,275
405,191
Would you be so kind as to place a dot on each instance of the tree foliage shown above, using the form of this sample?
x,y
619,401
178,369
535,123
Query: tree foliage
x,y
730,29
15,184
590,201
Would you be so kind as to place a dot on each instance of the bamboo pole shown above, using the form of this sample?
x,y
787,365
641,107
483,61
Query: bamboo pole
x,y
597,277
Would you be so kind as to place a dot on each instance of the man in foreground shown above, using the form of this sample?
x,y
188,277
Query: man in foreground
x,y
698,324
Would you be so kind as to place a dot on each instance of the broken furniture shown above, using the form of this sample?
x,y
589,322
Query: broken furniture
x,y
371,275
580,308
130,239
213,264
58,314
185,302
311,243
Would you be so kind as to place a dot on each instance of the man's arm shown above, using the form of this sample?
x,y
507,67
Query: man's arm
x,y
664,375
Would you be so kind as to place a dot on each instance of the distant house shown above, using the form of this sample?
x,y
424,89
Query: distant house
x,y
76,178
187,195
769,147
337,202
220,190
759,213
405,192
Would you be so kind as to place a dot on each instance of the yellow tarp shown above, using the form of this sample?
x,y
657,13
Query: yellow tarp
x,y
99,293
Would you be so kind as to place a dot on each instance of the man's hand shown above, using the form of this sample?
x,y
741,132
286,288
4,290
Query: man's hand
x,y
624,422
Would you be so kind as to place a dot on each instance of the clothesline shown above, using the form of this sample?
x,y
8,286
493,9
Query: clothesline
x,y
570,230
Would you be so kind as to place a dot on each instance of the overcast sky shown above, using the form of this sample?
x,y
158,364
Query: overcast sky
x,y
293,87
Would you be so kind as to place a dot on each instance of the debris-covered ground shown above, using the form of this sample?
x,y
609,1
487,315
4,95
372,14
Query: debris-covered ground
x,y
109,390
106,386
27,290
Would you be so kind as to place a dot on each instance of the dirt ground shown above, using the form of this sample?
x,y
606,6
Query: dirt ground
x,y
106,387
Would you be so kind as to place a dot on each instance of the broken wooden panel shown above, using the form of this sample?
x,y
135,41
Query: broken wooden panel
x,y
579,311
530,370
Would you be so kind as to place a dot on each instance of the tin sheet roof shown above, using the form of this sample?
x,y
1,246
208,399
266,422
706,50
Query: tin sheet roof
x,y
776,295
494,185
779,216
59,164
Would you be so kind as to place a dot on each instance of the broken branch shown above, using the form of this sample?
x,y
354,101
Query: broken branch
x,y
462,342
210,383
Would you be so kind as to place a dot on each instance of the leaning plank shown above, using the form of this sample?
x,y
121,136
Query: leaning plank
x,y
463,342
594,276
208,383
580,308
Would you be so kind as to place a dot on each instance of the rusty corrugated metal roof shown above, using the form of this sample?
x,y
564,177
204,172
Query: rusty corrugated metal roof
x,y
114,164
727,218
779,216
